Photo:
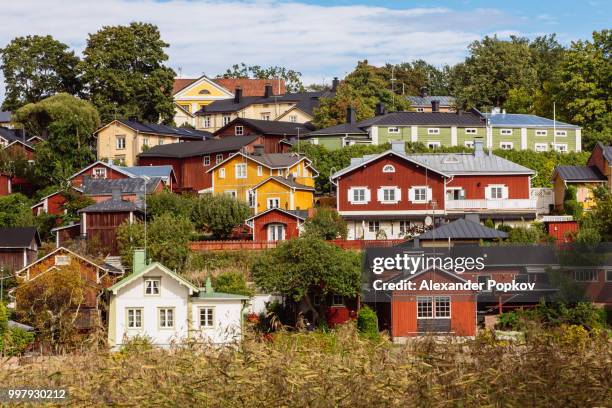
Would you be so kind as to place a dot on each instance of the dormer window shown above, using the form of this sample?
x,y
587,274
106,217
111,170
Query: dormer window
x,y
389,169
152,286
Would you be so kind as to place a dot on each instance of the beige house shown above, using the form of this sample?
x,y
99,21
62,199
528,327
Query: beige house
x,y
122,140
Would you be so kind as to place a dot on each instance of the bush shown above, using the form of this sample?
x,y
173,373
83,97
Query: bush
x,y
367,323
17,342
326,224
234,283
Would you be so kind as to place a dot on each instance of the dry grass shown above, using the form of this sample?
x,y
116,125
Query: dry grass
x,y
323,370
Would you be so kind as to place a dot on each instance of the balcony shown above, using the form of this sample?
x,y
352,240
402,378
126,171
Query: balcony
x,y
526,204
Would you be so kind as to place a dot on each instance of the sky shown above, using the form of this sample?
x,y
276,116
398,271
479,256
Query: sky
x,y
321,39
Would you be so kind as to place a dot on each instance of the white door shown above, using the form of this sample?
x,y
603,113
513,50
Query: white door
x,y
276,232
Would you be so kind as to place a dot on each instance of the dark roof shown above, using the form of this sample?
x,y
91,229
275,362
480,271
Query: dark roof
x,y
579,173
125,186
421,101
606,151
18,237
462,229
112,205
277,159
344,128
156,128
271,127
289,181
199,148
302,214
404,118
305,101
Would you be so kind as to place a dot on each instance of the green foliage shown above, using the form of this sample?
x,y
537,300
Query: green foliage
x,y
489,223
293,79
410,77
15,211
36,67
326,224
554,315
232,282
571,205
74,203
124,70
367,323
219,214
4,315
168,202
598,221
526,235
16,342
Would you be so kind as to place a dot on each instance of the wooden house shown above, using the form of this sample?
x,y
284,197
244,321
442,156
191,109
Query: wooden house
x,y
18,247
276,224
5,184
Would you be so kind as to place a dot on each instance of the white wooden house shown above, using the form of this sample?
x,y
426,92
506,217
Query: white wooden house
x,y
156,303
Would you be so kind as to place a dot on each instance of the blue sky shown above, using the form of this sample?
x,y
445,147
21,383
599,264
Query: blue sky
x,y
322,39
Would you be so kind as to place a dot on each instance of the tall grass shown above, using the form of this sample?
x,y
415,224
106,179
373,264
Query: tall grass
x,y
338,369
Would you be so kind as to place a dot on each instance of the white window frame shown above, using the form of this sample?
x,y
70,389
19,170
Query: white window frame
x,y
239,130
420,109
506,145
432,309
427,190
120,142
471,131
560,147
541,147
265,116
101,170
218,158
505,132
226,119
502,188
276,232
231,193
393,129
251,198
206,160
165,311
62,260
209,317
238,170
152,286
606,272
353,192
206,121
338,300
541,132
135,311
160,142
389,168
273,202
222,173
593,274
453,189
404,226
433,144
433,131
374,226
260,170
293,118
389,194
561,133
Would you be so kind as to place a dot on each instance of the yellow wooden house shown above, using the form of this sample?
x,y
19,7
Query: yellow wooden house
x,y
267,180
192,94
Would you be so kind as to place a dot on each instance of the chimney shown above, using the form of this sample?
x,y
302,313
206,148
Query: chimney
x,y
380,109
435,106
495,111
258,150
424,91
116,194
238,94
268,91
350,115
335,84
478,147
139,262
398,146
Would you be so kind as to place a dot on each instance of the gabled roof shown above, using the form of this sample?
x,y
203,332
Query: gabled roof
x,y
270,160
104,164
606,152
344,128
462,229
104,267
131,277
93,187
26,144
191,149
579,173
299,214
18,237
404,118
112,205
164,171
181,83
520,119
422,101
40,202
252,87
288,181
159,129
271,127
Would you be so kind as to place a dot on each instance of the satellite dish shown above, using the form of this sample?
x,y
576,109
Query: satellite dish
x,y
428,221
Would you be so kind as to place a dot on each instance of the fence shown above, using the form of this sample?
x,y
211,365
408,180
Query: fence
x,y
261,245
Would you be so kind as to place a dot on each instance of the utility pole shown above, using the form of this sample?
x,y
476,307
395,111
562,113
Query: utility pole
x,y
144,179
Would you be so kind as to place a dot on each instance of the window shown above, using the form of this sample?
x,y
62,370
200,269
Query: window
x,y
152,286
265,116
561,148
241,171
206,121
120,142
609,275
469,143
337,300
471,131
541,132
433,307
585,275
433,131
145,142
442,307
207,317
204,92
276,232
61,260
259,170
483,279
419,194
226,119
206,160
505,132
316,300
186,107
222,173
389,169
273,202
293,118
166,318
496,192
424,307
279,172
219,158
358,196
373,226
433,145
393,129
506,145
388,195
134,318
161,142
541,147
99,172
251,198
404,227
420,110
561,133
455,194
231,193
239,130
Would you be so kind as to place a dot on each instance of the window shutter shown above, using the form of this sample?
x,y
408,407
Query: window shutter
x,y
350,195
380,195
368,196
411,194
488,192
429,195
505,192
398,194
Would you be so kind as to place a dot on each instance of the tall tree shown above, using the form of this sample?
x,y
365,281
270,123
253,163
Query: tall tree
x,y
410,77
125,75
36,67
293,79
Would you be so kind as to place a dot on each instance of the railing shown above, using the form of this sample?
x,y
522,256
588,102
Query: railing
x,y
507,204
261,245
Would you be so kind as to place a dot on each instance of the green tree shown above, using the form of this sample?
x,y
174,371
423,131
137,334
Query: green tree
x,y
293,79
36,67
410,77
232,282
125,76
305,267
598,221
219,214
525,235
362,89
326,224
15,211
167,202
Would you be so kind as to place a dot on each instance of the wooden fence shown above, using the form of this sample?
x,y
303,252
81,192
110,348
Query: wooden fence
x,y
260,245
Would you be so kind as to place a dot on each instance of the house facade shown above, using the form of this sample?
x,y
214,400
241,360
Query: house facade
x,y
394,195
156,303
276,224
18,247
5,184
424,102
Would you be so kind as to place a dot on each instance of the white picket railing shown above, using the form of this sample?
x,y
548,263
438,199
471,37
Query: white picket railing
x,y
508,204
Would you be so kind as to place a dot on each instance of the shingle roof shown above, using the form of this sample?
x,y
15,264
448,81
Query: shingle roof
x,y
159,129
424,118
305,101
421,101
191,149
182,83
579,173
344,128
18,237
252,87
112,205
607,152
520,119
276,127
462,229
125,186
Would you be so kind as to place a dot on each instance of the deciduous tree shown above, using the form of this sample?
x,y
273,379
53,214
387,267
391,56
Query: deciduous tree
x,y
219,214
293,79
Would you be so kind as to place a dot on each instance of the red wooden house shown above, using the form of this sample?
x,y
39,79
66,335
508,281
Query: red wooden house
x,y
53,203
276,224
5,184
389,195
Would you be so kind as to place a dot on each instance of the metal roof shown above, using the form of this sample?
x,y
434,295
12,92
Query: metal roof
x,y
112,205
422,101
404,118
160,129
125,186
18,237
344,128
271,127
579,173
462,229
199,148
524,120
164,171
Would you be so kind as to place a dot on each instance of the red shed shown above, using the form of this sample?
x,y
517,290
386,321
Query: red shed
x,y
277,224
5,184
561,227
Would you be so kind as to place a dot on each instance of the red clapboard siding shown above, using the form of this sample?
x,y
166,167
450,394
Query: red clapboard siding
x,y
77,180
474,186
102,229
597,159
5,185
260,232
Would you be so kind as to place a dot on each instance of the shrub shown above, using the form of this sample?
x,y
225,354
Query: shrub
x,y
326,224
367,323
17,341
233,282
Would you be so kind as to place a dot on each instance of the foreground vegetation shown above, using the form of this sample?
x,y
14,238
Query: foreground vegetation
x,y
337,369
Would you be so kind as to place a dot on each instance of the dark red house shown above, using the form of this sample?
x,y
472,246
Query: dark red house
x,y
277,224
191,160
5,184
98,170
274,133
53,203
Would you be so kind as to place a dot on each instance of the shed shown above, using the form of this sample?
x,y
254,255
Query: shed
x,y
18,247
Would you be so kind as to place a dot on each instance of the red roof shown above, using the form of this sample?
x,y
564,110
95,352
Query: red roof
x,y
182,83
252,87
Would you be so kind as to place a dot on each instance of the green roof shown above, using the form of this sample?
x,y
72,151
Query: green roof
x,y
218,295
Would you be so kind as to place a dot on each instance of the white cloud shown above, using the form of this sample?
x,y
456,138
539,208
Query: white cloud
x,y
320,41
